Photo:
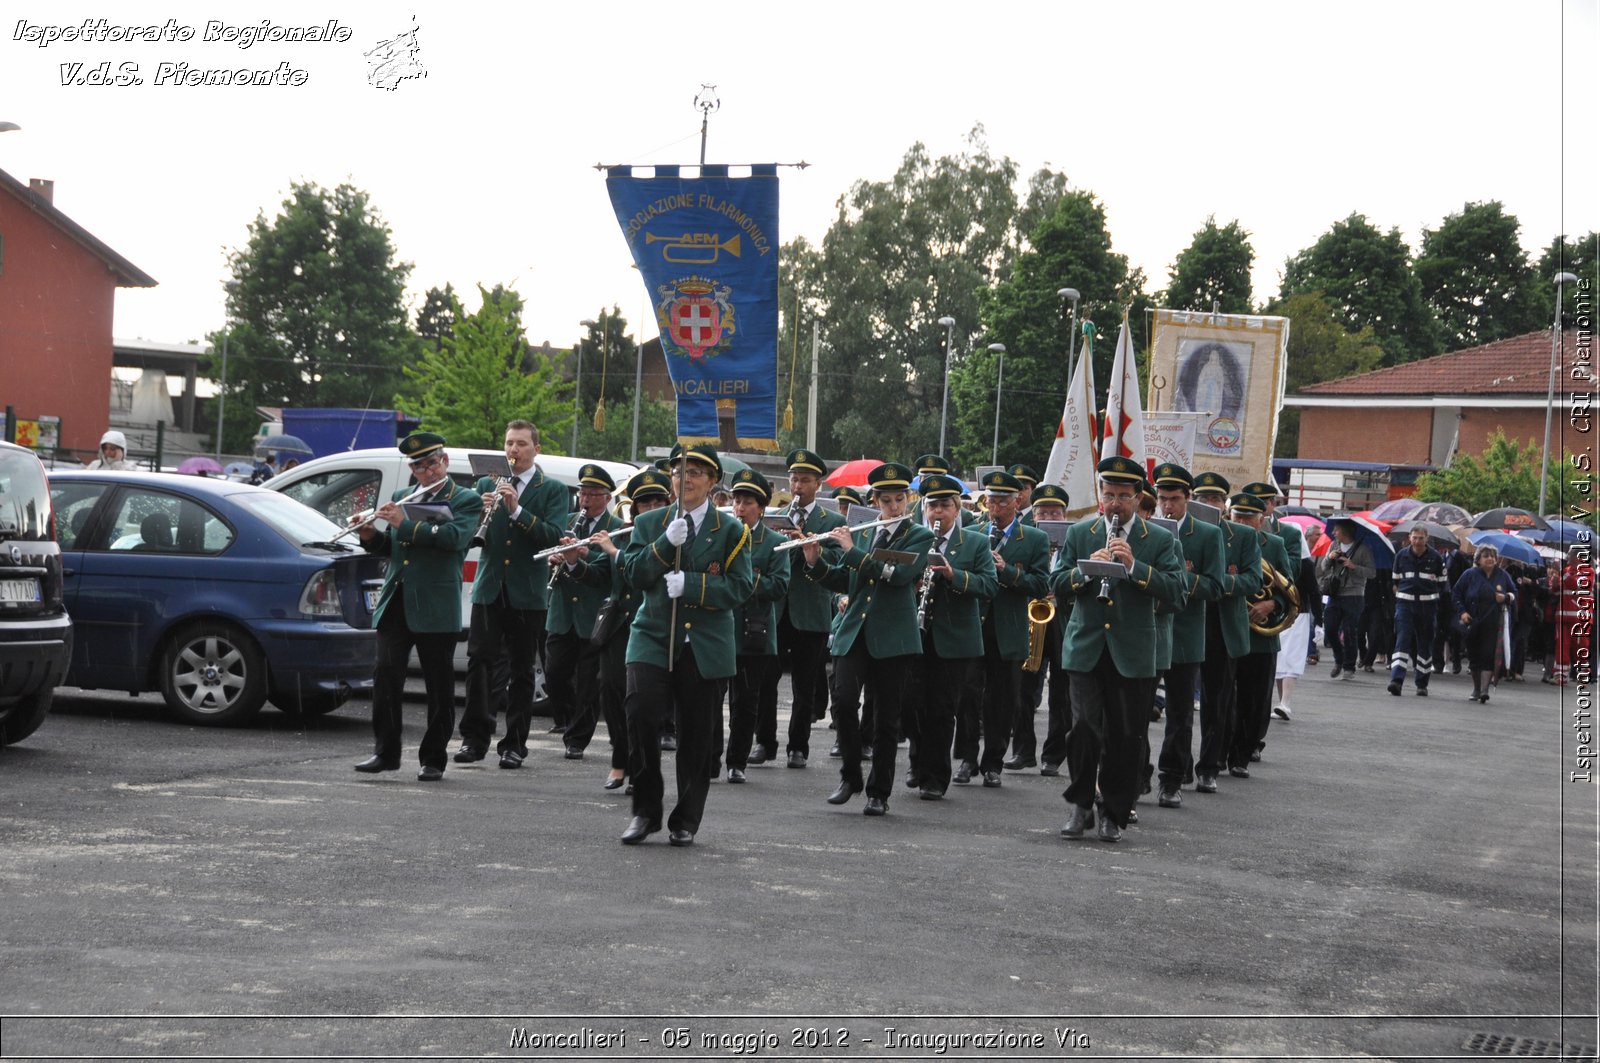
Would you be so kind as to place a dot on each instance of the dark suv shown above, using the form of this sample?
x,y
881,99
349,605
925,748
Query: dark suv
x,y
35,631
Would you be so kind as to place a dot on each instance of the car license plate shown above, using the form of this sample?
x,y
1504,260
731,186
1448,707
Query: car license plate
x,y
19,590
372,600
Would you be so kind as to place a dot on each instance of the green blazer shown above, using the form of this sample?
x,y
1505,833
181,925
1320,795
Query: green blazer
x,y
810,606
425,562
884,608
719,576
1275,555
1126,626
955,609
1025,577
1292,540
1205,569
506,559
578,591
1240,579
771,573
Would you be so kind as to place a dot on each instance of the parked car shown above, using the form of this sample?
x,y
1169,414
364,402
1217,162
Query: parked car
x,y
220,595
35,630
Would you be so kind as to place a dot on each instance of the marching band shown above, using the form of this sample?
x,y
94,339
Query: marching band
x,y
939,625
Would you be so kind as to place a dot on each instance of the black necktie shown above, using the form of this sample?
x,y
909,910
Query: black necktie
x,y
938,545
687,519
883,538
996,535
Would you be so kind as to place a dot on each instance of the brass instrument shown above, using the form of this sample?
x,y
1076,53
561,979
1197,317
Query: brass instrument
x,y
1285,596
925,592
827,536
489,510
1113,531
1040,612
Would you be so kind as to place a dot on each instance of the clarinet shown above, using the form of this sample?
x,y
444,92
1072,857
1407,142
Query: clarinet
x,y
1113,531
479,537
925,592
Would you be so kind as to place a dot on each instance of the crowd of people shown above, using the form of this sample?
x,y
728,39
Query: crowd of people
x,y
941,625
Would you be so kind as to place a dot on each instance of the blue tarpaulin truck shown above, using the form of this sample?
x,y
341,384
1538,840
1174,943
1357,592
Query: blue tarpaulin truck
x,y
334,431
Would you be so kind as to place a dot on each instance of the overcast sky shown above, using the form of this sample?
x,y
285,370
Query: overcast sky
x,y
1286,116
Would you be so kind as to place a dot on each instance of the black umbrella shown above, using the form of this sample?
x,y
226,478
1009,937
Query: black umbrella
x,y
1296,511
1509,518
1441,513
283,445
1438,534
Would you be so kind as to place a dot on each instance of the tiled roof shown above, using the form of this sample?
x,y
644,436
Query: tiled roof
x,y
1516,366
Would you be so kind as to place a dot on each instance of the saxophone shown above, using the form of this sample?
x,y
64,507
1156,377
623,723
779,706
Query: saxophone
x,y
925,592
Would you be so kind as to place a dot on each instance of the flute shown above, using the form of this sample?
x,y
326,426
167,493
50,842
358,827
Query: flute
x,y
827,536
626,529
373,516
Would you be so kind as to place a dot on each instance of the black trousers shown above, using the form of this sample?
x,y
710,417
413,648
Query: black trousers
x,y
745,711
930,722
884,681
808,671
1254,682
572,679
1216,700
1002,682
498,634
696,702
1058,696
1177,741
613,691
436,653
1110,713
767,707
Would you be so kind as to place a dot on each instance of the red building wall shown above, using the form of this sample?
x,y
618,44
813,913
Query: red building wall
x,y
56,303
1403,436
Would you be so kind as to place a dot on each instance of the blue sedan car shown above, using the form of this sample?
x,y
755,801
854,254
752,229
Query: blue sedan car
x,y
218,594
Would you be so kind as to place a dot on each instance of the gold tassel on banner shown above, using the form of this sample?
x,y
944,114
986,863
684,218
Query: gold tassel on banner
x,y
605,356
600,415
788,412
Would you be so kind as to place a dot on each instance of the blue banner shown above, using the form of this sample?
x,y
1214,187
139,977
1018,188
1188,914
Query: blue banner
x,y
707,248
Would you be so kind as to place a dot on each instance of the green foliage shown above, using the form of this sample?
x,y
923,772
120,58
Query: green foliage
x,y
316,313
1506,474
436,319
1213,269
1366,276
609,361
1476,276
1577,257
658,427
484,375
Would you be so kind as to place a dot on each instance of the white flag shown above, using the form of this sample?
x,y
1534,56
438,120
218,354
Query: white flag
x,y
1072,457
1123,432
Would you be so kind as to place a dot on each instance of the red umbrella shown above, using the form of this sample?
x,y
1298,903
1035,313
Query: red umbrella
x,y
853,473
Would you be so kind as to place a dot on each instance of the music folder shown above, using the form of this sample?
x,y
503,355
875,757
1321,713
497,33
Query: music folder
x,y
780,522
1204,511
492,465
428,512
886,556
1102,569
1057,530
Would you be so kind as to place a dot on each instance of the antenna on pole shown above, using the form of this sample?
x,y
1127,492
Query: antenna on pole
x,y
708,104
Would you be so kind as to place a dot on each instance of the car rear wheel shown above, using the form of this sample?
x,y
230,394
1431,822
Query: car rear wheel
x,y
212,674
24,717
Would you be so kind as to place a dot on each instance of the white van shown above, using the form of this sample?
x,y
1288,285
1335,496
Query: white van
x,y
341,485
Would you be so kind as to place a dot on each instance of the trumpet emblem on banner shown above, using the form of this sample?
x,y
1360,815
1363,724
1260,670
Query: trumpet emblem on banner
x,y
694,249
696,315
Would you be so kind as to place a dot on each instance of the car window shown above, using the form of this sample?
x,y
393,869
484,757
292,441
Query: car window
x,y
337,494
154,522
24,498
74,502
295,522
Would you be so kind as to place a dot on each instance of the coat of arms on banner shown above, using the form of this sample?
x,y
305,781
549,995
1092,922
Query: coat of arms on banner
x,y
696,315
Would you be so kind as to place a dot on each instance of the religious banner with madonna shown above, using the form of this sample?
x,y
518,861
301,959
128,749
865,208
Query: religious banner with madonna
x,y
707,249
1228,369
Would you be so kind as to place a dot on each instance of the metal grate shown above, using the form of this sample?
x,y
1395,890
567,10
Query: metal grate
x,y
1495,1044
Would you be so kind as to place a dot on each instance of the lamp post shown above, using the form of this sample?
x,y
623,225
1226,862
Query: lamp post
x,y
1550,390
1071,296
949,324
222,391
577,383
999,384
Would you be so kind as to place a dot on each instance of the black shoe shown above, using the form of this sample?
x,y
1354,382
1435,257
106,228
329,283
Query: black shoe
x,y
1050,770
1255,758
511,759
842,793
1422,692
574,753
1081,820
758,754
1239,773
991,779
669,743
1394,687
638,830
470,754
430,773
928,793
1337,671
614,784
912,782
1018,763
876,806
963,773
797,760
681,838
376,764
735,775
1205,784
1109,831
1169,799
834,752
1483,699
1474,696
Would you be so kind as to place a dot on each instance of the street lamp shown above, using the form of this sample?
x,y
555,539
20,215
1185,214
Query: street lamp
x,y
222,391
949,324
1550,390
999,383
1071,296
577,383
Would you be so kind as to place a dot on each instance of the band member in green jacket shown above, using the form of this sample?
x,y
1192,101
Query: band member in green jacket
x,y
804,617
579,581
756,621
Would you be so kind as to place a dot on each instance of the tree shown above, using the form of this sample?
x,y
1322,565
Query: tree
x,y
1476,276
436,319
609,360
1320,349
658,427
1213,270
479,379
1070,247
1575,257
316,313
1506,474
1366,276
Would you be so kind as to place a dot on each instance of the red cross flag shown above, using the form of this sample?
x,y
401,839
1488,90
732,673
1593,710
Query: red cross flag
x,y
1123,432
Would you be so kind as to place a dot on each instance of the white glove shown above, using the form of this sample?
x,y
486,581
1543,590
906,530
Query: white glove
x,y
677,535
674,584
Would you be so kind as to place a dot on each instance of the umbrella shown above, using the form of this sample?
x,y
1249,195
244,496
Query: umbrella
x,y
1511,548
1441,513
1437,533
1562,532
1296,511
1398,508
199,465
1302,519
1509,518
731,467
853,473
239,468
1370,532
283,445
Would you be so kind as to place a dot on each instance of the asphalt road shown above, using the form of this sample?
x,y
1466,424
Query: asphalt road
x,y
1398,876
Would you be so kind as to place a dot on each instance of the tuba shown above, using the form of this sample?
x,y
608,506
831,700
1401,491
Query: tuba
x,y
1285,596
1040,612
